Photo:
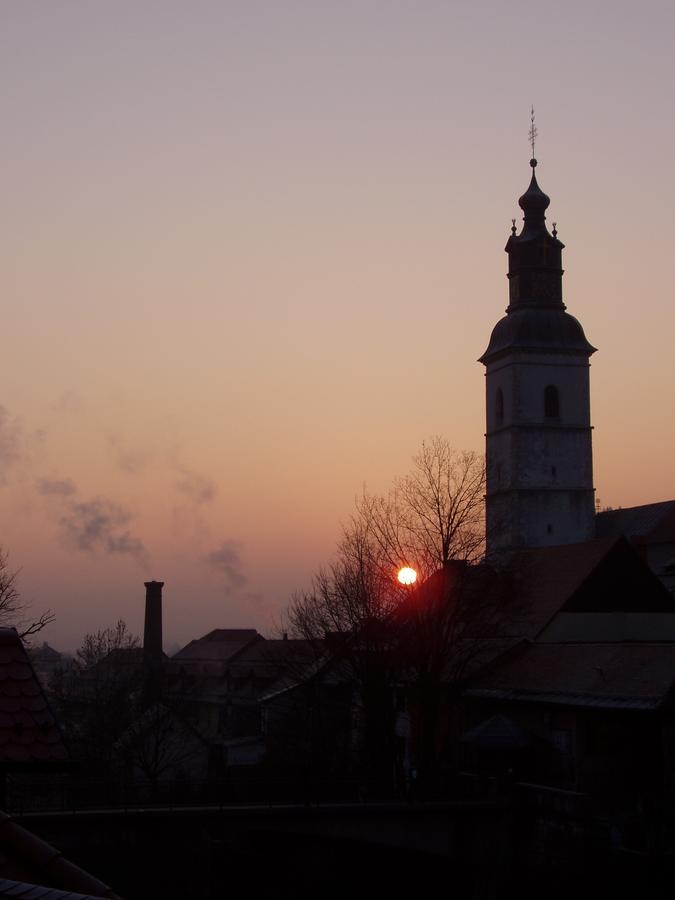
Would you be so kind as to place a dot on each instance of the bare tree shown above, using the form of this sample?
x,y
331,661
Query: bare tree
x,y
99,692
13,610
429,517
349,605
160,743
354,589
98,645
432,520
433,514
448,626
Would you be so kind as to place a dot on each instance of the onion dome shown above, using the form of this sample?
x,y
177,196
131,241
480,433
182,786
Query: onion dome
x,y
534,202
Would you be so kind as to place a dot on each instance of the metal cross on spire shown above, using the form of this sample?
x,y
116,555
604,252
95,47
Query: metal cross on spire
x,y
533,131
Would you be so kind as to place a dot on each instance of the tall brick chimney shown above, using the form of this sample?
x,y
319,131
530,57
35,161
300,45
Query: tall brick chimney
x,y
152,635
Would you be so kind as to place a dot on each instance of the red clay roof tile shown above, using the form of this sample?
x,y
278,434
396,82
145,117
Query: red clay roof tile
x,y
28,729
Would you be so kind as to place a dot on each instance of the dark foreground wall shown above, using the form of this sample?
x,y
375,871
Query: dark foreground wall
x,y
474,850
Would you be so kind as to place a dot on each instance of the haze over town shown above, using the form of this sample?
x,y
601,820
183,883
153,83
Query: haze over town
x,y
252,252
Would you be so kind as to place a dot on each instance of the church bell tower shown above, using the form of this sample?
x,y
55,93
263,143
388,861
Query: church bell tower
x,y
538,435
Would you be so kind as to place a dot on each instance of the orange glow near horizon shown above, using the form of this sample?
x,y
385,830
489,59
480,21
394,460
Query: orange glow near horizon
x,y
407,576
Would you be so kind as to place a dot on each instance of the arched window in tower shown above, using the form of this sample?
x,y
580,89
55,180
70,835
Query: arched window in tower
x,y
551,402
499,408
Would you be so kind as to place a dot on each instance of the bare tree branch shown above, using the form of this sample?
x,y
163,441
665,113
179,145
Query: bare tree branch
x,y
14,610
430,517
434,514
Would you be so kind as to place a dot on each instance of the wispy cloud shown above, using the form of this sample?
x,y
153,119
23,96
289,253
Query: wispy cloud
x,y
100,524
129,460
226,559
70,402
56,487
92,525
10,442
197,487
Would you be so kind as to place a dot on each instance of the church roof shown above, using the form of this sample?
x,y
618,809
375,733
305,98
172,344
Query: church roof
x,y
537,329
653,521
536,317
544,579
519,600
597,576
534,202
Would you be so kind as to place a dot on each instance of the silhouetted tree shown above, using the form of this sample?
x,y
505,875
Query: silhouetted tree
x,y
13,609
446,628
161,744
430,519
433,520
98,692
98,645
433,514
350,603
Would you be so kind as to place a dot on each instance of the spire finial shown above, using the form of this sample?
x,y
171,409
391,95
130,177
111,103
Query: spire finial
x,y
532,136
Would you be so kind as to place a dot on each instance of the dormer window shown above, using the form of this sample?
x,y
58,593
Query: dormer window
x,y
499,408
551,402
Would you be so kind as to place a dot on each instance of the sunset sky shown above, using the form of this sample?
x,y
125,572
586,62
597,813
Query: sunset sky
x,y
251,252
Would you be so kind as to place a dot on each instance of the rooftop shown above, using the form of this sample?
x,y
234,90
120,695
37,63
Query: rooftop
x,y
28,729
26,857
655,521
20,890
218,645
630,675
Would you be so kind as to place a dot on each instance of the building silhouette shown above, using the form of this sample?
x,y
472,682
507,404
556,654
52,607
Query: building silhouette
x,y
538,434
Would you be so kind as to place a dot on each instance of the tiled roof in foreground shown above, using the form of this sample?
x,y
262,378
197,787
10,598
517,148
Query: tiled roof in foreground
x,y
28,729
25,856
19,890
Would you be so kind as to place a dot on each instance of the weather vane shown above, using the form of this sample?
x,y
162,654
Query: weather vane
x,y
533,131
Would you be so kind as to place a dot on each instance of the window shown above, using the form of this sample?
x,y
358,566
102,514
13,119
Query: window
x,y
551,402
499,407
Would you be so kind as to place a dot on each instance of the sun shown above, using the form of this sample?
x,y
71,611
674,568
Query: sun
x,y
406,575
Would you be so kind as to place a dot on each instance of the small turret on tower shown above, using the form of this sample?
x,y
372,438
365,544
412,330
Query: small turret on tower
x,y
535,255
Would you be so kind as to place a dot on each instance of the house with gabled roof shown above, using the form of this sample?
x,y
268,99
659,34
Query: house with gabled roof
x,y
651,528
592,682
32,747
